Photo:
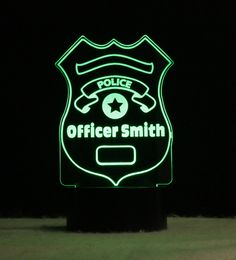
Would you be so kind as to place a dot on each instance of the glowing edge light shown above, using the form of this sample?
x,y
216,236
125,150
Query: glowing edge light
x,y
160,97
114,147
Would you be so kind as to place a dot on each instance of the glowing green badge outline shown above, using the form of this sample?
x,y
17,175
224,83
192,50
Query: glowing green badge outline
x,y
160,98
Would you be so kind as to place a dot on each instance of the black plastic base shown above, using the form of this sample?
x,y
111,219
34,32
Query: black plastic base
x,y
118,210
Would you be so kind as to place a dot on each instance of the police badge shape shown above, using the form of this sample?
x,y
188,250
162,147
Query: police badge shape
x,y
115,131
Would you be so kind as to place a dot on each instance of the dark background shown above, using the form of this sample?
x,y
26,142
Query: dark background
x,y
199,95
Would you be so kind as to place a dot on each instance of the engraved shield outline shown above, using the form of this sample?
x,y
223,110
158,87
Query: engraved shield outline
x,y
160,99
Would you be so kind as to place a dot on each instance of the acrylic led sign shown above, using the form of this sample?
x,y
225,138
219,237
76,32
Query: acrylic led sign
x,y
115,131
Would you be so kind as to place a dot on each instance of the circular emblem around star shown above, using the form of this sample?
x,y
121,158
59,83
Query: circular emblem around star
x,y
115,106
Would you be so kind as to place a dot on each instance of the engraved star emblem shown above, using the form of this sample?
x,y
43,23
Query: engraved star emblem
x,y
115,105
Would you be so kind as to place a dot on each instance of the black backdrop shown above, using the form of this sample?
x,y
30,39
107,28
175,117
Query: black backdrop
x,y
199,94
